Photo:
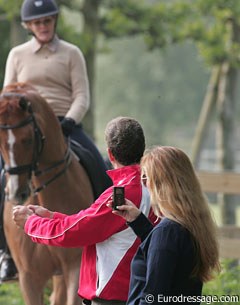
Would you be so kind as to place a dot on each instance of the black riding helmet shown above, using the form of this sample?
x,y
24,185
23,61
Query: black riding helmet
x,y
34,9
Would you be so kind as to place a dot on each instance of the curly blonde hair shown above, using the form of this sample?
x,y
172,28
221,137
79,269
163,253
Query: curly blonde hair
x,y
176,193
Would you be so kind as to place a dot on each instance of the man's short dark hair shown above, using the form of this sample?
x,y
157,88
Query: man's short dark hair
x,y
125,138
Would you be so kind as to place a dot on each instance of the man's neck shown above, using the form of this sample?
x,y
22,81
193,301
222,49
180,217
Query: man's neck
x,y
117,165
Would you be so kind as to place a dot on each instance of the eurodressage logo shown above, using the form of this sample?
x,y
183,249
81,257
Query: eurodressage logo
x,y
38,3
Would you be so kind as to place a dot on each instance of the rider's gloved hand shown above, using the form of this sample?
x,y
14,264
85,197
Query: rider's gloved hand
x,y
68,125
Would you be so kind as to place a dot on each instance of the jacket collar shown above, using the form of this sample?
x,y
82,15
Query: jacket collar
x,y
125,174
51,46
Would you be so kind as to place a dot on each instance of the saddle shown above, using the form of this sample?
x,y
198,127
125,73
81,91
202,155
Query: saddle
x,y
98,177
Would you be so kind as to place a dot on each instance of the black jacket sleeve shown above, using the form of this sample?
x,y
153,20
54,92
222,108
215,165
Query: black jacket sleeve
x,y
141,226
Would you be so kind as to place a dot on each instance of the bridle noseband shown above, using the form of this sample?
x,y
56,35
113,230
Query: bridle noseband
x,y
38,148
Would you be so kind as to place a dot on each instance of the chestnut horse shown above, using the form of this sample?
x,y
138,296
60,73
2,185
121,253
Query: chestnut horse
x,y
40,169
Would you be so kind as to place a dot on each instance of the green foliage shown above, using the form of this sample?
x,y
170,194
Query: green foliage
x,y
11,8
122,18
10,294
5,45
165,89
165,23
220,18
67,32
226,284
211,24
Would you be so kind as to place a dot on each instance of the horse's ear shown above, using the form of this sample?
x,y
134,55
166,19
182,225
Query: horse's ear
x,y
23,103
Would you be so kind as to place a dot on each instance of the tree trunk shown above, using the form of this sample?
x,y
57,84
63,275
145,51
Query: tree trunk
x,y
204,118
226,101
17,33
225,135
91,28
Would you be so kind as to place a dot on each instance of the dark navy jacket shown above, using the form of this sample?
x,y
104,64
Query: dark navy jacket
x,y
161,269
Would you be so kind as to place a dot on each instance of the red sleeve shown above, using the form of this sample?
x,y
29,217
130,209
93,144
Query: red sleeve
x,y
87,227
58,215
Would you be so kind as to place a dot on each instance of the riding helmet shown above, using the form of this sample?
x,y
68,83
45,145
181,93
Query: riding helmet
x,y
34,9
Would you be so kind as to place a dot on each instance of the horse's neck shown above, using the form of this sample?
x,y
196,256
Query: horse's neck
x,y
69,193
54,149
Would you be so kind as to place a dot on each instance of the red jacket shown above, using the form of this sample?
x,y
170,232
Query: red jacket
x,y
108,243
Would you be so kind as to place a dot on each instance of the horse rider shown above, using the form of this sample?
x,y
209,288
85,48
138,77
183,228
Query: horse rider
x,y
57,69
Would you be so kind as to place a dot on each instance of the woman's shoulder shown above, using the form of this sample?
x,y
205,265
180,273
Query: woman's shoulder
x,y
71,51
171,233
69,46
169,223
26,46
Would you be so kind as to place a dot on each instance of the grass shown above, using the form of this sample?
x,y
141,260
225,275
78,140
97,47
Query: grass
x,y
10,294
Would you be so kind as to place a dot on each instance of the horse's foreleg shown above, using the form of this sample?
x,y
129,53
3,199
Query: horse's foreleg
x,y
58,296
72,280
32,290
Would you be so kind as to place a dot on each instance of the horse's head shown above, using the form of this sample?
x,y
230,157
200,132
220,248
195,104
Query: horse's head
x,y
21,142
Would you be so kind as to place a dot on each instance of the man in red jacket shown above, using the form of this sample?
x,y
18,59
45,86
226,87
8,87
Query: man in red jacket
x,y
108,244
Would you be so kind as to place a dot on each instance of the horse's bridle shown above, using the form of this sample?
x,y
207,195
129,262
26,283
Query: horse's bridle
x,y
38,148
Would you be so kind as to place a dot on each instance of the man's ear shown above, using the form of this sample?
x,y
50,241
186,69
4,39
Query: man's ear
x,y
110,155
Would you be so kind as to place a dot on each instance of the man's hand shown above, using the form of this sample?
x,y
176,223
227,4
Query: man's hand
x,y
21,214
41,211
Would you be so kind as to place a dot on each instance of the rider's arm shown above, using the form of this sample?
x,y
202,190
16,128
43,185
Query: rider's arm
x,y
10,71
80,86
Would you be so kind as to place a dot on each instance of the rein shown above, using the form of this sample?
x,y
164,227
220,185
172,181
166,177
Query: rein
x,y
66,160
39,143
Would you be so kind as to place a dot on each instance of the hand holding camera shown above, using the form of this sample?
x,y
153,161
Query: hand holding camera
x,y
122,206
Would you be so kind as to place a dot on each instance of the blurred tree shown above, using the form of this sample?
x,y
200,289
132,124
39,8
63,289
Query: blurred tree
x,y
4,25
214,25
217,33
163,90
86,39
9,34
